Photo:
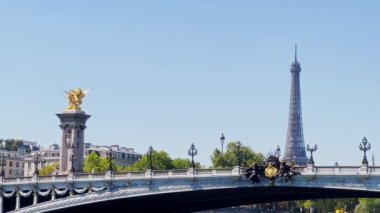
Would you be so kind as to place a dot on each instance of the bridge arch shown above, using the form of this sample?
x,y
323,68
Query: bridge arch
x,y
190,201
187,190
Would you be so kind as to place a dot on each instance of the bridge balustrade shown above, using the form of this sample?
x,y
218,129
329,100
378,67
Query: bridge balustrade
x,y
329,169
349,169
182,172
224,171
136,174
175,180
160,173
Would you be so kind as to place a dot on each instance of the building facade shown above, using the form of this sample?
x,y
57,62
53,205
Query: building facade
x,y
122,156
13,164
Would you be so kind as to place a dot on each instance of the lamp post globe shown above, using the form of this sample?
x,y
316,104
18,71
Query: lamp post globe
x,y
192,152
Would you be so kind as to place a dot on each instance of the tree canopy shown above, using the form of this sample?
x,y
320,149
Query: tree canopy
x,y
160,161
48,170
95,163
248,156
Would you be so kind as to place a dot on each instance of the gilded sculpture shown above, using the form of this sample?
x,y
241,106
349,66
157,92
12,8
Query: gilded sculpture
x,y
75,97
271,169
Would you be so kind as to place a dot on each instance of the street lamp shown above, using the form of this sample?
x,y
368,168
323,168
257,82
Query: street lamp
x,y
192,152
278,152
364,147
222,139
3,162
238,154
37,159
150,153
110,157
311,150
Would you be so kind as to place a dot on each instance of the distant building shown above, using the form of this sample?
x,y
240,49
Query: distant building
x,y
14,164
123,156
50,156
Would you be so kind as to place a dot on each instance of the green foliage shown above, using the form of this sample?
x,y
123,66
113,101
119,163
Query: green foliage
x,y
248,156
94,163
160,161
329,205
180,163
368,205
48,170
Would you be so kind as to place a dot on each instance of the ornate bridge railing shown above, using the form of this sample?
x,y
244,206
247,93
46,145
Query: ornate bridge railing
x,y
109,185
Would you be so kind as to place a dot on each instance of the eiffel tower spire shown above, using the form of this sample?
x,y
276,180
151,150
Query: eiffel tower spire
x,y
295,146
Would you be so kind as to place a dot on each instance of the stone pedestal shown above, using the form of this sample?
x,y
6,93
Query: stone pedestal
x,y
364,169
73,124
108,175
236,170
310,168
191,171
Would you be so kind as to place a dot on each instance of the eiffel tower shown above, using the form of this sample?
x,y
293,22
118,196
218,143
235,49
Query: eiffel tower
x,y
295,146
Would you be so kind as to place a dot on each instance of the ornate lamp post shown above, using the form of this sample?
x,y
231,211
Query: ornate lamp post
x,y
364,147
192,152
150,154
110,157
222,139
37,159
311,150
3,162
238,154
278,152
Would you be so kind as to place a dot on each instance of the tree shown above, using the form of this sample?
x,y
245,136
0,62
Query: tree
x,y
180,163
248,156
48,170
368,205
329,205
94,163
160,161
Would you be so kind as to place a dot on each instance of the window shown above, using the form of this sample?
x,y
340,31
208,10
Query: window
x,y
10,163
10,171
53,154
17,164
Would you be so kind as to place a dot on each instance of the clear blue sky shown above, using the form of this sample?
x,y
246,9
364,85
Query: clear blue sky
x,y
172,73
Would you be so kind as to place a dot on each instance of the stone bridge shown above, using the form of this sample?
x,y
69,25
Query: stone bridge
x,y
180,190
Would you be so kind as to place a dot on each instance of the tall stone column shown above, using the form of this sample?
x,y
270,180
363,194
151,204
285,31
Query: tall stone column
x,y
73,124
